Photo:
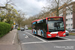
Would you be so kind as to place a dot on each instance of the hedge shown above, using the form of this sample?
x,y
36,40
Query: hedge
x,y
18,28
30,28
4,28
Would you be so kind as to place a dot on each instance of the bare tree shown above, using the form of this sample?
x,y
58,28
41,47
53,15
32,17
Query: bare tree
x,y
7,3
55,4
19,20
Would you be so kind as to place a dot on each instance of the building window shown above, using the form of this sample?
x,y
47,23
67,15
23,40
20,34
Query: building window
x,y
71,18
71,24
71,13
68,14
66,19
66,24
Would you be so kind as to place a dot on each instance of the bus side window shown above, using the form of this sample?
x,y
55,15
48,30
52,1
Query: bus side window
x,y
45,27
34,26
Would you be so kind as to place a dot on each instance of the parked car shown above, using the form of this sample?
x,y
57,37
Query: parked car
x,y
22,29
26,28
67,33
71,30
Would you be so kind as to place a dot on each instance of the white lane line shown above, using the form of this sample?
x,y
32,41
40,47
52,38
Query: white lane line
x,y
46,41
32,42
14,38
59,40
30,34
41,39
26,36
36,37
65,38
73,39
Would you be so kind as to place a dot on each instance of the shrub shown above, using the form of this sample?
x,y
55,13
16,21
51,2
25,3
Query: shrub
x,y
18,28
4,28
30,28
11,27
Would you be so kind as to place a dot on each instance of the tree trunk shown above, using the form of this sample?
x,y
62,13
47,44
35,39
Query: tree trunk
x,y
57,8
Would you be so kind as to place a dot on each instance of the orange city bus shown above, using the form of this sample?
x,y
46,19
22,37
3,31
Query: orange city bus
x,y
49,27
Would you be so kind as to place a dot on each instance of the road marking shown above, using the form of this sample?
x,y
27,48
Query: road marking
x,y
41,39
23,34
32,42
65,38
26,36
30,34
36,37
73,39
14,38
47,41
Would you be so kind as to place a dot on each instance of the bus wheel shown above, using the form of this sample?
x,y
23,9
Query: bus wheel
x,y
41,34
34,32
45,35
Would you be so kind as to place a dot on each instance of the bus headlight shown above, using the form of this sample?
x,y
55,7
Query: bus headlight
x,y
64,34
49,35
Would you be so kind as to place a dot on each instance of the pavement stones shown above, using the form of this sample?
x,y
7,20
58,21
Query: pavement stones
x,y
10,41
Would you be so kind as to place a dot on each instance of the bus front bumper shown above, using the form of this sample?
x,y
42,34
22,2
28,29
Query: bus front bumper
x,y
52,36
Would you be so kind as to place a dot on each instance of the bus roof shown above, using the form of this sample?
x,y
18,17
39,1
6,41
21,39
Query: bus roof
x,y
36,20
55,17
46,18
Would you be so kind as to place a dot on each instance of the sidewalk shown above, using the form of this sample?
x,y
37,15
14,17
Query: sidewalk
x,y
10,41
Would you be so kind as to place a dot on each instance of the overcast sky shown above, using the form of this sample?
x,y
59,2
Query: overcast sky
x,y
30,7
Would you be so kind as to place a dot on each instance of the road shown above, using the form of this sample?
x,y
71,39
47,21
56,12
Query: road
x,y
29,41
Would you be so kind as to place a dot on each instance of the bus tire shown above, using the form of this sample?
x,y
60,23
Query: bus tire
x,y
34,33
45,35
41,33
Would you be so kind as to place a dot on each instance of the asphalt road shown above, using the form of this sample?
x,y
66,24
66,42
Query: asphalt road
x,y
32,42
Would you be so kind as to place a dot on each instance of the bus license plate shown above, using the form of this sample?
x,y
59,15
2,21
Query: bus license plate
x,y
57,36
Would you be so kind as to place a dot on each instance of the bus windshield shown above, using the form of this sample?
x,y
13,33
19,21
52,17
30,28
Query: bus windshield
x,y
55,26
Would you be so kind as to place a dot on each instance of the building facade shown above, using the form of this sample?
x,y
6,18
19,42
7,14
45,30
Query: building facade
x,y
69,15
68,12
